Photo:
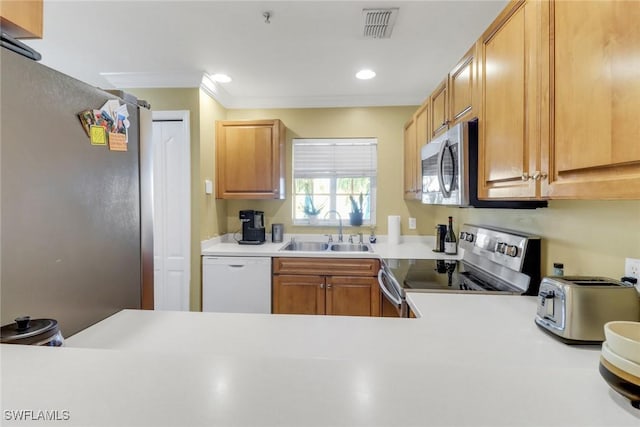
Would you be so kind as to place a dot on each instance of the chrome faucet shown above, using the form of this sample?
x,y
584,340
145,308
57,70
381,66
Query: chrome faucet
x,y
356,235
339,223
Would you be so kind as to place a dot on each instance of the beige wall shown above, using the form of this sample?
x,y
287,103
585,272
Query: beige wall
x,y
190,99
589,237
213,212
384,123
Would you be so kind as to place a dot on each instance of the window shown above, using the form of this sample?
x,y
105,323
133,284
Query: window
x,y
330,175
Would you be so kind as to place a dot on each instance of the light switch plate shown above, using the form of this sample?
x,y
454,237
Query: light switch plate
x,y
412,223
208,186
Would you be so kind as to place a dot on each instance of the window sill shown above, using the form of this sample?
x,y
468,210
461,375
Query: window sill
x,y
323,223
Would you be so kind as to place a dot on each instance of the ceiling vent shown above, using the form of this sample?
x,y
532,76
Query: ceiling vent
x,y
378,23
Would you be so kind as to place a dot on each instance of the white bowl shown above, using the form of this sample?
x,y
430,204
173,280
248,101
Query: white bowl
x,y
620,362
624,339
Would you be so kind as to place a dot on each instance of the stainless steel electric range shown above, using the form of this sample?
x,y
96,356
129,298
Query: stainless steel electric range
x,y
494,260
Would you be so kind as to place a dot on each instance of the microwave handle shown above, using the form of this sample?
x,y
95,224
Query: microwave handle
x,y
446,193
395,300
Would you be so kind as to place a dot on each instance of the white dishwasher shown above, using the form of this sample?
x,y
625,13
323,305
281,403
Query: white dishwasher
x,y
236,284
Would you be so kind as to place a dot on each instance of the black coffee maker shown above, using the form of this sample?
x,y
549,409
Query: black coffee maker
x,y
253,232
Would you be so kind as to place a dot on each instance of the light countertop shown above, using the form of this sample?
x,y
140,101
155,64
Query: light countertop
x,y
410,247
470,360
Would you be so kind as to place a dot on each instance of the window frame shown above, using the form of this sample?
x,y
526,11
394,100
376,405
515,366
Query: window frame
x,y
333,176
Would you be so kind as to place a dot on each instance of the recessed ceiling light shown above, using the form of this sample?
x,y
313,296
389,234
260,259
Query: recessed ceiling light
x,y
365,74
221,78
208,85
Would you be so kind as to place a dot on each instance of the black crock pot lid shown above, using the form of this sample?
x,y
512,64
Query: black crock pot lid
x,y
24,327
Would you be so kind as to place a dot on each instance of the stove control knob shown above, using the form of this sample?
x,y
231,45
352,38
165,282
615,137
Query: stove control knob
x,y
500,247
463,235
512,251
469,237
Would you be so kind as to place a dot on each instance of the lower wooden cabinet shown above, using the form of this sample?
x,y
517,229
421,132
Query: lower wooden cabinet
x,y
352,296
341,287
298,294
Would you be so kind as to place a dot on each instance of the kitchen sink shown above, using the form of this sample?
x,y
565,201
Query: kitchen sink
x,y
350,247
306,246
323,247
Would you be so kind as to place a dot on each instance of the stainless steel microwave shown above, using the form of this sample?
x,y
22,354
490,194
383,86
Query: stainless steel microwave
x,y
445,168
450,171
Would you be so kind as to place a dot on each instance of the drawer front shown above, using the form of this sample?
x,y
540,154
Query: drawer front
x,y
327,267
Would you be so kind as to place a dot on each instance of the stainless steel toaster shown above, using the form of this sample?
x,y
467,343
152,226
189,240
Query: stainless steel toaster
x,y
575,308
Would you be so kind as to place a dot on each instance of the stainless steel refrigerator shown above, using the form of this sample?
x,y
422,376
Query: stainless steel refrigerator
x,y
76,219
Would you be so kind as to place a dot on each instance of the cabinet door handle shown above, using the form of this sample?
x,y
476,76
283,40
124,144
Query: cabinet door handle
x,y
525,176
321,285
328,285
540,175
536,176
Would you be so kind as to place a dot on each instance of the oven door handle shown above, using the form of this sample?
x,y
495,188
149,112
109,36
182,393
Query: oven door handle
x,y
397,300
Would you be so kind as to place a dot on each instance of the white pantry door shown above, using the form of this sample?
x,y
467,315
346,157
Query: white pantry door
x,y
172,209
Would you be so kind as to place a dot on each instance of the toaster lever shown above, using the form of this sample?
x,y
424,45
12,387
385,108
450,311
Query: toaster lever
x,y
545,295
549,307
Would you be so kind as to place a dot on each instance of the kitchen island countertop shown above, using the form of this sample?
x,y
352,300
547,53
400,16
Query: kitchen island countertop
x,y
469,360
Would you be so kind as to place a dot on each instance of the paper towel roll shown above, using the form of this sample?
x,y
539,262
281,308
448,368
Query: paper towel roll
x,y
394,229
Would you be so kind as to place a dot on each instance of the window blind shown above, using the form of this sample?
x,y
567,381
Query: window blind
x,y
314,158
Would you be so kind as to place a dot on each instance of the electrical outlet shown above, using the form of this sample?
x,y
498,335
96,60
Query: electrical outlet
x,y
632,268
412,223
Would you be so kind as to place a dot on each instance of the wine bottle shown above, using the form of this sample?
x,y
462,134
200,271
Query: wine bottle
x,y
450,243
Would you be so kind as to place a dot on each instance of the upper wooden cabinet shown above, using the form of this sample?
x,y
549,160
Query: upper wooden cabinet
x,y
594,144
556,89
463,88
410,172
439,112
561,101
250,158
423,129
421,119
22,18
416,134
453,99
512,106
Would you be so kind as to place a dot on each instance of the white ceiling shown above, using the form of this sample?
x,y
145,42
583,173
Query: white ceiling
x,y
306,57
